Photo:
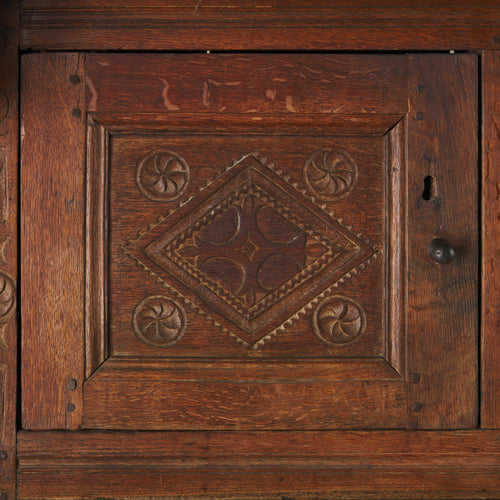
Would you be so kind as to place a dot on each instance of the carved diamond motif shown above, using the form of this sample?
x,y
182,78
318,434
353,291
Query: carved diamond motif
x,y
249,250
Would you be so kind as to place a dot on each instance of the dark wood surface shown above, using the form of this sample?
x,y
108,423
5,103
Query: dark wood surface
x,y
223,84
52,254
375,464
9,139
490,346
263,25
273,465
443,298
221,95
149,296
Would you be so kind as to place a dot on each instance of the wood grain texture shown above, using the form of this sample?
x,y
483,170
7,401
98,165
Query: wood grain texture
x,y
490,347
52,253
250,84
235,404
250,25
248,394
396,254
9,138
273,465
443,299
96,302
367,124
137,236
155,369
134,394
237,135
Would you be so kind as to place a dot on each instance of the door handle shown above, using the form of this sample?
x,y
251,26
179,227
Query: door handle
x,y
441,251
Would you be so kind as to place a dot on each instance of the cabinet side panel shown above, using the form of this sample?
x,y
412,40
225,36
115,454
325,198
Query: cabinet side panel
x,y
442,203
9,31
52,250
490,363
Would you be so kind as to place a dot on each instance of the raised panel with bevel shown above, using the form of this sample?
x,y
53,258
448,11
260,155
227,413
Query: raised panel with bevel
x,y
253,239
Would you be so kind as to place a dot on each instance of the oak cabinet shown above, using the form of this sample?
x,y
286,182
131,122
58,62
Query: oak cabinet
x,y
254,272
247,239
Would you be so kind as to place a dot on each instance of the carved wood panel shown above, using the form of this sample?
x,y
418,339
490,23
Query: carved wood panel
x,y
246,244
238,218
249,250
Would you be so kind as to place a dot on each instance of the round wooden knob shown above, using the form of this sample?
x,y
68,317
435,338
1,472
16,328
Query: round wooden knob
x,y
441,251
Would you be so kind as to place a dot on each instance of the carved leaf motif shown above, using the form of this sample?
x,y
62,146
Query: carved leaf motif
x,y
162,175
338,320
329,174
7,295
159,321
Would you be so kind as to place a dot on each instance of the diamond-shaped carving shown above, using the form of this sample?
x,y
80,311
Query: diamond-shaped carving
x,y
249,250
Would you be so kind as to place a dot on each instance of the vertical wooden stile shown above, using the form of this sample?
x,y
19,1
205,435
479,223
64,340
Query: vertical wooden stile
x,y
490,346
52,252
9,137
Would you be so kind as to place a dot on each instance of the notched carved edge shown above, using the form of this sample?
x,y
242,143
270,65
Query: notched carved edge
x,y
181,297
295,316
308,307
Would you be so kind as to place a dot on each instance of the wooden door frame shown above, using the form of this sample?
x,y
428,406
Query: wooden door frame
x,y
460,464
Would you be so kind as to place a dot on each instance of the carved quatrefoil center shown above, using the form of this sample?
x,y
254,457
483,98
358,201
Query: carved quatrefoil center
x,y
249,250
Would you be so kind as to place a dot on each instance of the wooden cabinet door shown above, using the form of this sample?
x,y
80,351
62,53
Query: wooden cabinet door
x,y
221,241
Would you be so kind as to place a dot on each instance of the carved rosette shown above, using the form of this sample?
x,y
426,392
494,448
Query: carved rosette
x,y
250,251
338,320
162,175
330,174
159,321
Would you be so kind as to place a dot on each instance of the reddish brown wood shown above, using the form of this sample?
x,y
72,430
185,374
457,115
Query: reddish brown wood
x,y
138,238
392,464
52,253
396,254
155,369
164,236
367,124
203,124
9,137
96,290
245,395
389,464
349,464
490,347
251,84
268,24
234,404
443,299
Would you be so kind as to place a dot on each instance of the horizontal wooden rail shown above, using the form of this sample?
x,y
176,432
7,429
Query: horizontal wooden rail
x,y
263,25
352,464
